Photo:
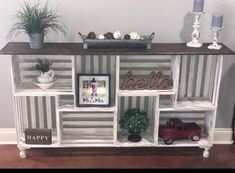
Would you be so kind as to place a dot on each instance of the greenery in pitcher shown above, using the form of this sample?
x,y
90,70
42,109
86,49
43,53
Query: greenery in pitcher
x,y
43,65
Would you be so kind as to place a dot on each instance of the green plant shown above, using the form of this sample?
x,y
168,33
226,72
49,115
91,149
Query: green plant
x,y
37,19
134,120
43,65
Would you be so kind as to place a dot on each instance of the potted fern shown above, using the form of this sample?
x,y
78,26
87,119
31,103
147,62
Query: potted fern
x,y
46,73
36,21
134,121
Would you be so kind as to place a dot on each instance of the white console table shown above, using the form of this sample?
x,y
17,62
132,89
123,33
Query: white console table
x,y
196,75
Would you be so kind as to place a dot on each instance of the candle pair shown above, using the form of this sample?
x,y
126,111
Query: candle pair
x,y
217,19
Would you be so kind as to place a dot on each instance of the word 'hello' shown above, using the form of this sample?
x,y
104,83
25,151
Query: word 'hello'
x,y
153,81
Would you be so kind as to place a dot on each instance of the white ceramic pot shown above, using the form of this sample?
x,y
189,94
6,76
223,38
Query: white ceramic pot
x,y
46,77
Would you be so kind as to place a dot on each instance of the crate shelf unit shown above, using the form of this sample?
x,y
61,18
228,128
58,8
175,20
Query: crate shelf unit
x,y
196,75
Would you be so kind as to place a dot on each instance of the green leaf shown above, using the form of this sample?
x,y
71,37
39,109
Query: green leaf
x,y
37,18
134,120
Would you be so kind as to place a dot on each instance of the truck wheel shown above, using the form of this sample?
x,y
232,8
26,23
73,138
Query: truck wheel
x,y
195,137
168,141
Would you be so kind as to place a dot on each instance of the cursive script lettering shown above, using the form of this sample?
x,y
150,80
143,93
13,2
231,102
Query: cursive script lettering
x,y
153,81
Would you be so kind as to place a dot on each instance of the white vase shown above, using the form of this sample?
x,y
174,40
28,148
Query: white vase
x,y
36,40
46,77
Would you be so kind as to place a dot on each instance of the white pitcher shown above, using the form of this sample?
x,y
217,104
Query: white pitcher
x,y
46,77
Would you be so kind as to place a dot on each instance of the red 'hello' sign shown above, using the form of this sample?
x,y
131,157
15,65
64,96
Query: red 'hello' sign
x,y
153,81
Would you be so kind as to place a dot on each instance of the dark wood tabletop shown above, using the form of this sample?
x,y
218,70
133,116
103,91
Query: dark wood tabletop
x,y
23,48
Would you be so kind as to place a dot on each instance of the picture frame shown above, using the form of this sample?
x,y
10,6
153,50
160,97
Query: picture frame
x,y
93,90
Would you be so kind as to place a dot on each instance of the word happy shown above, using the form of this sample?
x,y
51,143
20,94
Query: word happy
x,y
153,81
37,137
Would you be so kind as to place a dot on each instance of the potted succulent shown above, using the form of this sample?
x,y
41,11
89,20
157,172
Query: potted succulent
x,y
36,21
46,74
134,121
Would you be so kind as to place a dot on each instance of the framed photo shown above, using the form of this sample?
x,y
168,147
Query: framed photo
x,y
93,90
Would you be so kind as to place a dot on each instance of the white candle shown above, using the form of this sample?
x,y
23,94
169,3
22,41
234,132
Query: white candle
x,y
217,21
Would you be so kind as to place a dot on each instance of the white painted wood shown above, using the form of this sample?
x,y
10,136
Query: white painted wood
x,y
145,142
199,75
49,113
40,113
88,141
19,114
125,103
39,92
191,105
9,136
147,58
88,130
145,92
87,123
218,73
33,111
175,66
78,60
141,103
104,64
14,83
185,143
132,64
133,103
59,126
88,109
73,74
117,100
156,120
212,77
211,117
191,76
143,72
99,124
25,112
14,76
28,65
35,73
207,76
182,91
96,64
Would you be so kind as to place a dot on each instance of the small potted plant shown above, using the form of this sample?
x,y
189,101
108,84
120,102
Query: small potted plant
x,y
134,121
46,74
36,21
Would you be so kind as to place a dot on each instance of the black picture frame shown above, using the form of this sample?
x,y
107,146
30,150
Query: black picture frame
x,y
93,90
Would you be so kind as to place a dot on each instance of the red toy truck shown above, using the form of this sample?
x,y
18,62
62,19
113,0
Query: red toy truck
x,y
176,129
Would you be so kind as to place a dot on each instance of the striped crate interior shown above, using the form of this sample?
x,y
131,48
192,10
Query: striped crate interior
x,y
25,72
87,127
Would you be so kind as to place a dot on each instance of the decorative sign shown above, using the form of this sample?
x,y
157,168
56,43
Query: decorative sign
x,y
38,136
153,81
93,90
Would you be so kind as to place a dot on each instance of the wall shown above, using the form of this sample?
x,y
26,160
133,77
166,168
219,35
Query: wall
x,y
170,20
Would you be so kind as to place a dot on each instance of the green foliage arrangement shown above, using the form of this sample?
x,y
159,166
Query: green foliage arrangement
x,y
134,120
37,18
43,65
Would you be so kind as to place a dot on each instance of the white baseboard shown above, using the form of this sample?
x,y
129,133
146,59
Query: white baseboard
x,y
8,136
222,136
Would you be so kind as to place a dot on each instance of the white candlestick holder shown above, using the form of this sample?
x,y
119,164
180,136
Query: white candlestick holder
x,y
195,34
215,40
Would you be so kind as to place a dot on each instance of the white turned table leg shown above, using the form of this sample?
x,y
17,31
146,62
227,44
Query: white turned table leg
x,y
206,152
22,154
